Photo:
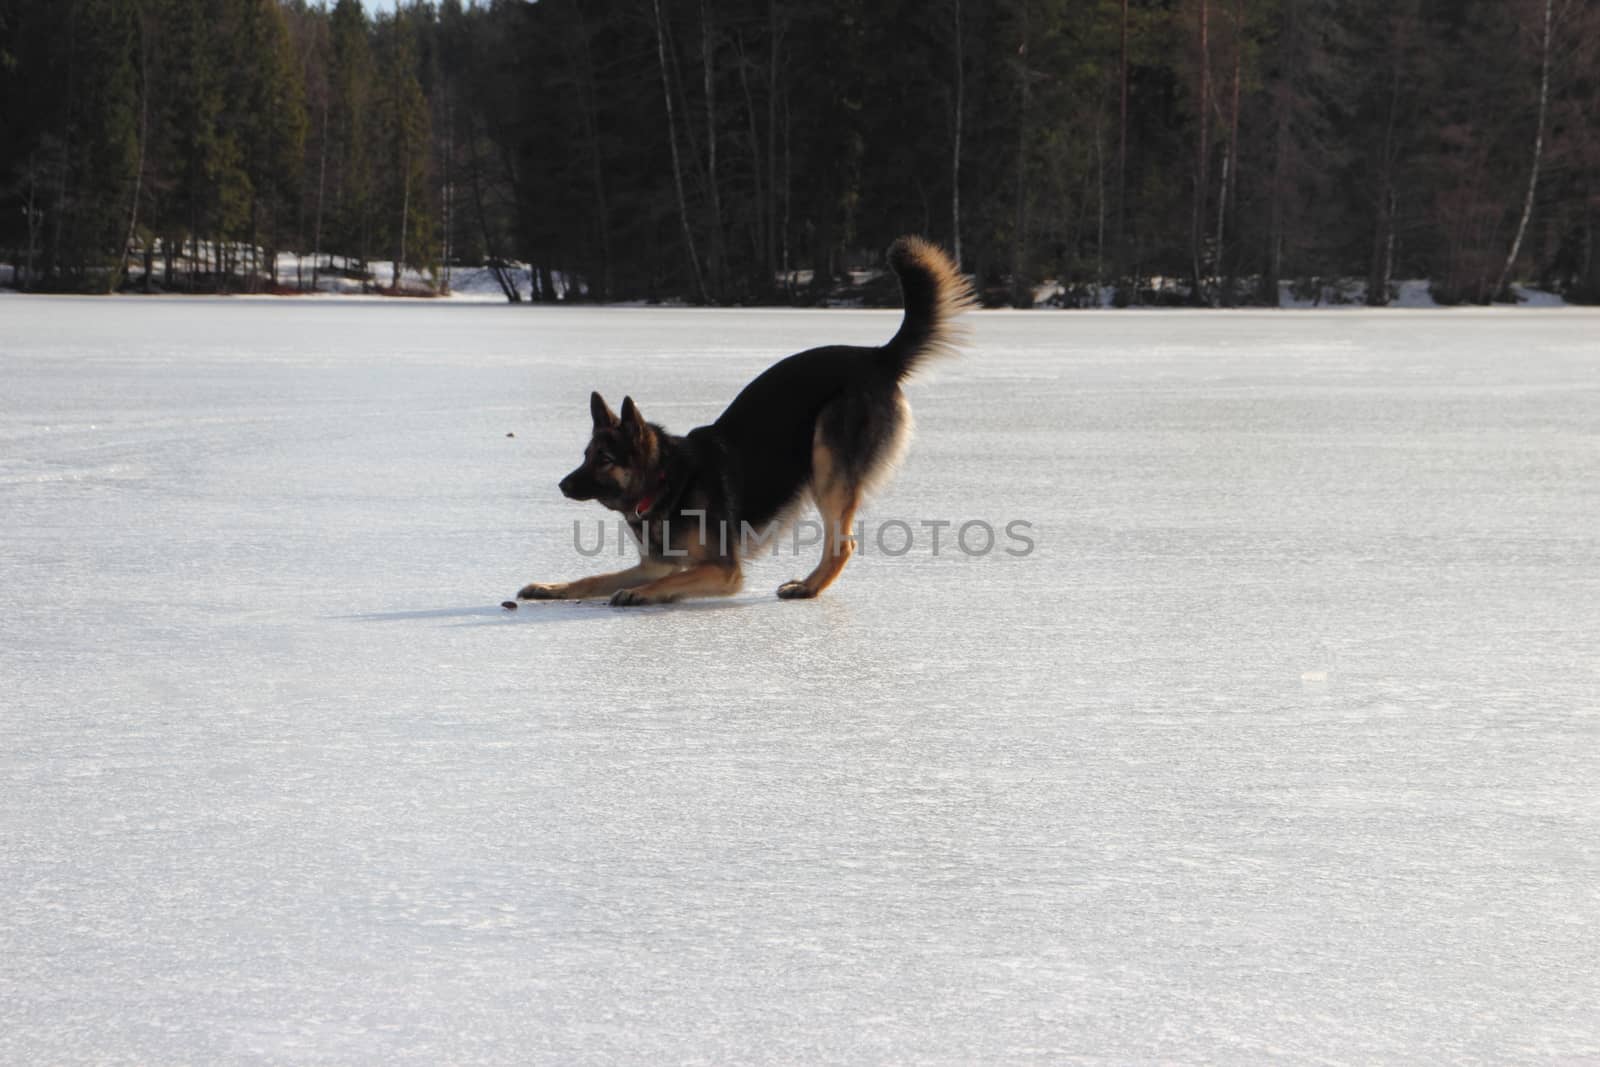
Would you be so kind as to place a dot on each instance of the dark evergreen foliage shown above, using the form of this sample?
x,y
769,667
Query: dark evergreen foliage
x,y
752,151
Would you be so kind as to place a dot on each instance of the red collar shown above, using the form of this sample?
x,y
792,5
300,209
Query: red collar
x,y
642,506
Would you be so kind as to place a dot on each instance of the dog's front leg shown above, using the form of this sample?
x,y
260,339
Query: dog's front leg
x,y
599,585
714,578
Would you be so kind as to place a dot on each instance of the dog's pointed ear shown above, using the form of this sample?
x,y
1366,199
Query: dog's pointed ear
x,y
633,424
604,417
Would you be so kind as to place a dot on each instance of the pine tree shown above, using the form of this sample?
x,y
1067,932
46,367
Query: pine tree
x,y
101,138
401,127
1307,83
352,177
273,130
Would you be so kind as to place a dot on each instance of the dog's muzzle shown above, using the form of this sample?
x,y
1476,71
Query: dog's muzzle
x,y
578,486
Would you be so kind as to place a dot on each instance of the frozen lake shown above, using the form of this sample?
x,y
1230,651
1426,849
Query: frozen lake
x,y
1283,742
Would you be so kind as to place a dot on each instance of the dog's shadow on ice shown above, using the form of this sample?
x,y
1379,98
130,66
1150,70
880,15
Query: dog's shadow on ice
x,y
545,611
567,611
424,613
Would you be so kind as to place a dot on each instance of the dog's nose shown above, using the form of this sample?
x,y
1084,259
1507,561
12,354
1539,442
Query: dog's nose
x,y
566,487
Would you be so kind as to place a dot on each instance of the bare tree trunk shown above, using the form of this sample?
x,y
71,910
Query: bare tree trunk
x,y
322,175
1203,114
52,256
1388,249
1538,154
788,192
775,43
1230,157
955,153
1587,272
255,235
121,269
447,192
677,165
1122,146
1272,275
1019,232
707,55
507,285
34,219
1272,268
405,219
1383,237
1222,209
1099,204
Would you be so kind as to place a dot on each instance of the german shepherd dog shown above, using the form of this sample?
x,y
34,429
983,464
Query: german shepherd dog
x,y
829,423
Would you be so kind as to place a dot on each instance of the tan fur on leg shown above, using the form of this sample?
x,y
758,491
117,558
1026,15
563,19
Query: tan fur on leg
x,y
836,501
599,585
712,578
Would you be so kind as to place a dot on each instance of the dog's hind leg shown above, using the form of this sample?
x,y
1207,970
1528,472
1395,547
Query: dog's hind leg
x,y
837,497
838,513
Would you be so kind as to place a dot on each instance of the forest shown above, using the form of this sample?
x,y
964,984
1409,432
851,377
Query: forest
x,y
1197,152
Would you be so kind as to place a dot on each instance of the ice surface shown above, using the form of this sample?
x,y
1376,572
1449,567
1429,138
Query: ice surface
x,y
1282,743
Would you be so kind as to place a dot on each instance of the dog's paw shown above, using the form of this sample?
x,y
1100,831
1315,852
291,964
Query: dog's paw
x,y
628,598
543,591
794,591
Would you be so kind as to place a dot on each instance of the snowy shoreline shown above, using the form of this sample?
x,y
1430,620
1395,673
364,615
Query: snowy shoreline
x,y
478,285
1529,300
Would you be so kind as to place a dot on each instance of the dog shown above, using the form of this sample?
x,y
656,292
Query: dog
x,y
829,424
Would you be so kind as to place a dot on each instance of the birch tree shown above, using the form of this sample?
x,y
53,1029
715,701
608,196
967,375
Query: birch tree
x,y
1538,150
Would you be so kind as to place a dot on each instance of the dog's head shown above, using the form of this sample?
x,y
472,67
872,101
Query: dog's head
x,y
619,464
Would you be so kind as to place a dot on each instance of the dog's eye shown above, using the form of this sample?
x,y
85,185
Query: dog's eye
x,y
605,459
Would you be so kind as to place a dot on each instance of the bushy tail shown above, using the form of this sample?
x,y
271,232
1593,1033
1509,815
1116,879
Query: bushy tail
x,y
935,293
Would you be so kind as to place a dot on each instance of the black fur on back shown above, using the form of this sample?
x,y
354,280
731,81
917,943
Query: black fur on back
x,y
767,431
754,463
